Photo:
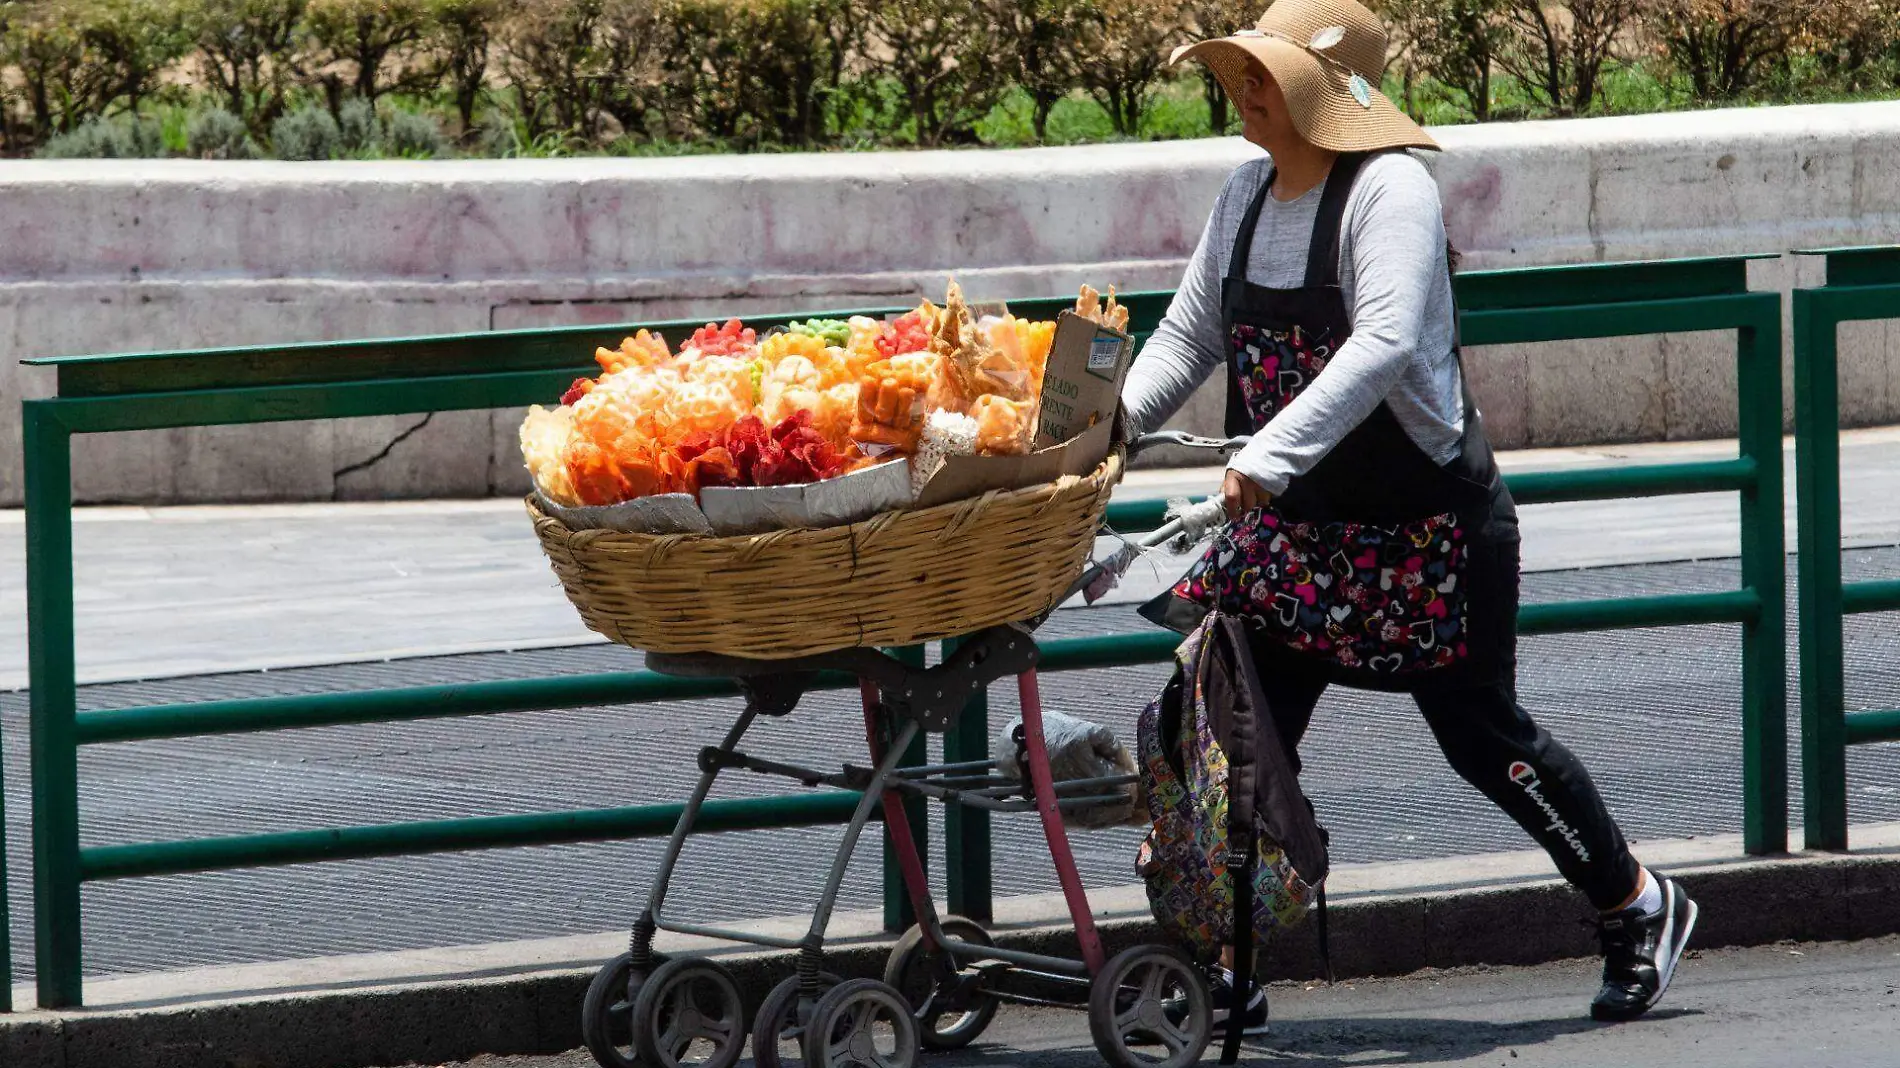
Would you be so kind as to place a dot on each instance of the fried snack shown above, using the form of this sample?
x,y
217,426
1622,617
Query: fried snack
x,y
1089,306
972,365
792,384
1003,427
865,332
644,350
708,405
833,414
784,346
734,373
890,415
544,439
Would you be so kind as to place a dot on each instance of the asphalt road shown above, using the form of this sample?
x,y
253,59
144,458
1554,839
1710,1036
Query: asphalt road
x,y
1828,1005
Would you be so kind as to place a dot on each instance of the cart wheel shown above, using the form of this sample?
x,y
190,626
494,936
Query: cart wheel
x,y
689,1015
1149,1008
776,1029
861,1024
607,1012
950,1013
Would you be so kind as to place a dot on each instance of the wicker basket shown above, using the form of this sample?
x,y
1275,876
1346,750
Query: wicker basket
x,y
896,579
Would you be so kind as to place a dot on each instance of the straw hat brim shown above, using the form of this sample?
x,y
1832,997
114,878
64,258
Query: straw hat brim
x,y
1318,99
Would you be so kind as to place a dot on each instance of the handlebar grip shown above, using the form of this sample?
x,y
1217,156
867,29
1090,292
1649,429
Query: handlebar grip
x,y
1187,441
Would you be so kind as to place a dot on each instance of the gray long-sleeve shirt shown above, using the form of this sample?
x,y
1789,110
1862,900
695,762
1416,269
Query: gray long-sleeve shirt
x,y
1392,274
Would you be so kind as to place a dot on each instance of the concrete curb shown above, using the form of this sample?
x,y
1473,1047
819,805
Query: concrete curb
x,y
1386,920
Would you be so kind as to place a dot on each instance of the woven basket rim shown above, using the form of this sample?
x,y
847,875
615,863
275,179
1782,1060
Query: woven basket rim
x,y
1109,469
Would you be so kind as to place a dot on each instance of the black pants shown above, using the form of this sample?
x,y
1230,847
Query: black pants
x,y
1495,746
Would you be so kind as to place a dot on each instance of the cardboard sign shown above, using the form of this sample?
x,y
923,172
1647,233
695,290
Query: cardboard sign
x,y
962,477
1083,382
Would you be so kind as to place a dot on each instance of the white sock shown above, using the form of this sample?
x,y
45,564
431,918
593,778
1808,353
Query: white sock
x,y
1651,899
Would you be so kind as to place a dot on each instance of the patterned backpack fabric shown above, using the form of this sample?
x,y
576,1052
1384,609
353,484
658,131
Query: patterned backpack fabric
x,y
1192,742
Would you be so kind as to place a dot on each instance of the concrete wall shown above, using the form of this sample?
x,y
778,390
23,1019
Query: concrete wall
x,y
125,255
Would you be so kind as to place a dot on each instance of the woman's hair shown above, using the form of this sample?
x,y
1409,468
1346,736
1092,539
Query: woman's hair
x,y
1452,256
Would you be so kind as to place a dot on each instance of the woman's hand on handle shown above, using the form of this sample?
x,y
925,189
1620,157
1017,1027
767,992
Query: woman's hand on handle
x,y
1242,494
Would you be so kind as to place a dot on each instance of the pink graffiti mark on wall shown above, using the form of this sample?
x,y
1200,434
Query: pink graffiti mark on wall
x,y
1470,205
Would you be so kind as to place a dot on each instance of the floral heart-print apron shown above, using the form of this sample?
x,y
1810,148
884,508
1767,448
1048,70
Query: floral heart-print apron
x,y
1365,568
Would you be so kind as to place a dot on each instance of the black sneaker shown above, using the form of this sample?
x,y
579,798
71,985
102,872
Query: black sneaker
x,y
1640,954
1253,1018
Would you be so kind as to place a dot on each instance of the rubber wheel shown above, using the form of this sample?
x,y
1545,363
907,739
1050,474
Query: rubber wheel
x,y
607,1013
777,1032
861,1024
689,1015
922,975
1149,1008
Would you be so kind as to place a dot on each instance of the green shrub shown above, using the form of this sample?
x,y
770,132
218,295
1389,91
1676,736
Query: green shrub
x,y
413,136
247,51
42,47
308,133
358,129
215,133
1127,44
1218,18
1456,43
1040,49
572,62
1559,50
129,45
461,35
1725,47
370,47
949,68
754,72
105,139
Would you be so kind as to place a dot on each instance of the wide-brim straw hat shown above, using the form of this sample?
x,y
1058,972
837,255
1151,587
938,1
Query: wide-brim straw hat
x,y
1328,57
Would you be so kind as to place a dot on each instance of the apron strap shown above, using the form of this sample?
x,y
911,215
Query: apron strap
x,y
1249,222
1322,255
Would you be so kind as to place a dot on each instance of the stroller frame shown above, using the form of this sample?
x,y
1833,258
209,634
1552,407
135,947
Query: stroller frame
x,y
900,701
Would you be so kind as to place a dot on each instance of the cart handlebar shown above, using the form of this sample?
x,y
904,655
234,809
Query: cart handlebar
x,y
1224,446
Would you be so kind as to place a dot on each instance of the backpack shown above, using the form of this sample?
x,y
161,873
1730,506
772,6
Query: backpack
x,y
1221,804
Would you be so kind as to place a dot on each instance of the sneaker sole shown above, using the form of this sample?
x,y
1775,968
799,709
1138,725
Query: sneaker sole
x,y
1219,1028
1682,946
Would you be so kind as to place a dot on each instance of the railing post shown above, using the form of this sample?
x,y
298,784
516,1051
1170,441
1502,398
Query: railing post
x,y
898,911
1764,567
966,830
1818,583
54,704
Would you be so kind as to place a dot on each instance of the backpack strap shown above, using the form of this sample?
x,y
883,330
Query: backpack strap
x,y
1242,851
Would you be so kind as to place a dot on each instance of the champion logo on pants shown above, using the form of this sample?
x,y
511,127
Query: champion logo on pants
x,y
1526,776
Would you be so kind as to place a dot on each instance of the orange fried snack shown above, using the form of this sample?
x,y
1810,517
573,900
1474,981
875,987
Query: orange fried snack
x,y
1003,427
611,475
889,413
973,364
644,349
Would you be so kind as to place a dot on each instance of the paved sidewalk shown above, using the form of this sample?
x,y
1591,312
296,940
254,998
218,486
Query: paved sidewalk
x,y
1816,1005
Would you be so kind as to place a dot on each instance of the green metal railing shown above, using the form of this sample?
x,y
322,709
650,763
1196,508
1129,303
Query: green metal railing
x,y
1863,284
506,369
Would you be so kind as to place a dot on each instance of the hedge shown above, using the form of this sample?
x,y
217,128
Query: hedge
x,y
515,77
